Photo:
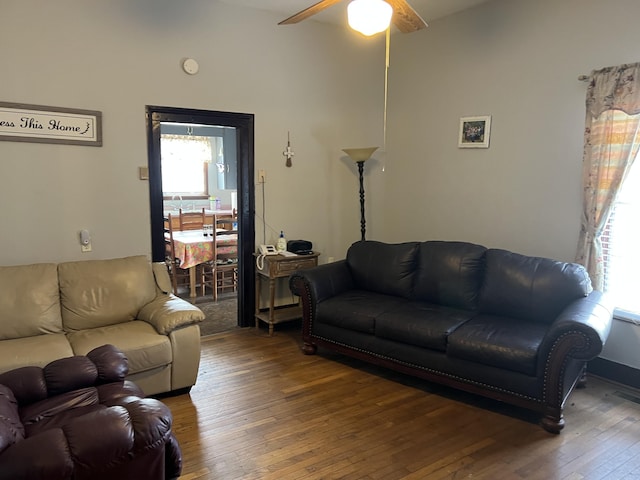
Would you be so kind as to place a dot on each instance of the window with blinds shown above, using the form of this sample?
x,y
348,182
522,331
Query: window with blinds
x,y
621,248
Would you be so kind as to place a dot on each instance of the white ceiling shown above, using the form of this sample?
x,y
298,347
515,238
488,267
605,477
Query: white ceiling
x,y
429,10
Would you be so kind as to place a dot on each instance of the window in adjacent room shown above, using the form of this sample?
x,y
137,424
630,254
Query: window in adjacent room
x,y
185,161
620,248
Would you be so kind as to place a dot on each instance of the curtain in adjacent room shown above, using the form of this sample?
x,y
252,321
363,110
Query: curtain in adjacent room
x,y
611,143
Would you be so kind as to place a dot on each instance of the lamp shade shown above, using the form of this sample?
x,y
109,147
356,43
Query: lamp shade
x,y
369,16
360,154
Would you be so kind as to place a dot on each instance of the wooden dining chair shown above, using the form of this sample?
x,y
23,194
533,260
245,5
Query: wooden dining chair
x,y
227,254
192,220
227,223
221,273
179,276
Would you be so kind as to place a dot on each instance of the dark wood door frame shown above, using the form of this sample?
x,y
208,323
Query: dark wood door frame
x,y
243,122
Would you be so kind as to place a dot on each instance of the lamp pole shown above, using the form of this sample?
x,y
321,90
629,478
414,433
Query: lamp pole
x,y
361,155
362,220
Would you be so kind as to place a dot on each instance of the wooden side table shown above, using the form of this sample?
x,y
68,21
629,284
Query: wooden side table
x,y
280,266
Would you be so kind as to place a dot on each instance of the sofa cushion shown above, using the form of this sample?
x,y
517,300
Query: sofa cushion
x,y
530,288
421,324
29,301
498,341
97,293
382,267
449,273
356,310
144,347
11,428
38,351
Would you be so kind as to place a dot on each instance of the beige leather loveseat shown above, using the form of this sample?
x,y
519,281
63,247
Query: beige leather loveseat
x,y
50,311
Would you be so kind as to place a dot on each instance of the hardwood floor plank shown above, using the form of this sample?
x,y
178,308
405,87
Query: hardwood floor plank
x,y
262,410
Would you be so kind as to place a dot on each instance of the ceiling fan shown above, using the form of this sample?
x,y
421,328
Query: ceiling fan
x,y
405,18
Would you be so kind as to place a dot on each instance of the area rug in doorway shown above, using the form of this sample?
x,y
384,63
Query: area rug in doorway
x,y
220,316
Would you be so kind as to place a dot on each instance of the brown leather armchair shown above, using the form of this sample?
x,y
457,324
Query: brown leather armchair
x,y
77,418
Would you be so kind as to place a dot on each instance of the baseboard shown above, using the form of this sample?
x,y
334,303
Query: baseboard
x,y
615,372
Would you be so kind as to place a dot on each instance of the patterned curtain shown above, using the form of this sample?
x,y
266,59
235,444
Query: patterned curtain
x,y
188,147
611,144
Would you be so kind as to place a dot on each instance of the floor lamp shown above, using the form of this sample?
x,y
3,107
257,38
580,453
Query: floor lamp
x,y
360,155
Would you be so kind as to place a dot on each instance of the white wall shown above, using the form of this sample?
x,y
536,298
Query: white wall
x,y
317,81
518,61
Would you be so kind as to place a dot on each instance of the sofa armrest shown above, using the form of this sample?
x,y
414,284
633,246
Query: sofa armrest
x,y
161,276
167,313
323,281
315,285
582,328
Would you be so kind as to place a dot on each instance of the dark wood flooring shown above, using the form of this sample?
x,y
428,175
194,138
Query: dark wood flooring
x,y
263,410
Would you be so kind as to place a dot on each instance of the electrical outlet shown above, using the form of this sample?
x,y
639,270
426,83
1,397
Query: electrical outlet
x,y
85,240
262,176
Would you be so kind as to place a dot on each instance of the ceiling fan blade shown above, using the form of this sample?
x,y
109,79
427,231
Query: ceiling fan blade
x,y
406,18
307,12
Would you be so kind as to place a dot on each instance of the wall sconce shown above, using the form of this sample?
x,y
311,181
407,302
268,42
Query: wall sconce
x,y
369,16
361,155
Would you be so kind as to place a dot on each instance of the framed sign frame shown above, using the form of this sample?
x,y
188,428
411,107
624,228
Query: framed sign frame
x,y
20,122
474,132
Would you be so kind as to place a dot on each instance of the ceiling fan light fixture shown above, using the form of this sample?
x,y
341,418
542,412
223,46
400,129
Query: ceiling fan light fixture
x,y
369,16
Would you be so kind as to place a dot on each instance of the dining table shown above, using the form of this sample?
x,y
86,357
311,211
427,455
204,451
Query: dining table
x,y
193,247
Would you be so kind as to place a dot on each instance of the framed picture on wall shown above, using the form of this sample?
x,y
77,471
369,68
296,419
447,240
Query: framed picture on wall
x,y
474,132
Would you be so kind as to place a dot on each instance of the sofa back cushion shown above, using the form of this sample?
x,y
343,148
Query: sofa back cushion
x,y
97,293
531,288
449,274
383,267
29,301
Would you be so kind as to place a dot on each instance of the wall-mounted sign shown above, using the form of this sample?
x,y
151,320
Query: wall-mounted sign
x,y
20,122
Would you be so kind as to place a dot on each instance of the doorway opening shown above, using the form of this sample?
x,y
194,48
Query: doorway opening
x,y
226,177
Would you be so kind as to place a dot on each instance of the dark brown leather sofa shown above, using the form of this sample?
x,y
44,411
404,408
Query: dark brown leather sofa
x,y
77,418
511,327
